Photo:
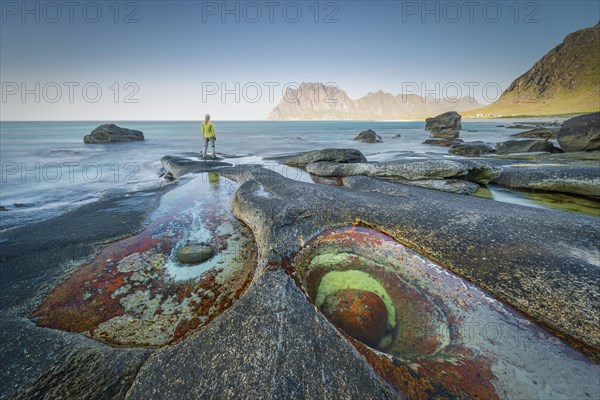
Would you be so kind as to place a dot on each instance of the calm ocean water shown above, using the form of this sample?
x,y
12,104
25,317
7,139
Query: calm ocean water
x,y
46,167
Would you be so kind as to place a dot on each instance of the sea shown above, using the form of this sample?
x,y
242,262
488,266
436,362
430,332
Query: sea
x,y
46,169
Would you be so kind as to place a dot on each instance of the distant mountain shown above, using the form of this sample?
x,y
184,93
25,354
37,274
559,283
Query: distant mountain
x,y
565,81
316,101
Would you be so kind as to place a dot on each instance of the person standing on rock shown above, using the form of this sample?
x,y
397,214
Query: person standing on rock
x,y
208,133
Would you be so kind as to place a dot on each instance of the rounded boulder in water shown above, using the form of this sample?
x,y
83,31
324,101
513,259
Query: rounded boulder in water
x,y
360,313
194,253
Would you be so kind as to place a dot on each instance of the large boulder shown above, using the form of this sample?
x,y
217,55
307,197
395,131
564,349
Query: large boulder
x,y
368,136
580,133
524,146
472,149
331,155
445,125
111,133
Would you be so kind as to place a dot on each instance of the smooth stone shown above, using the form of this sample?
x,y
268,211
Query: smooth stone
x,y
368,136
524,146
111,133
194,253
580,133
331,155
448,120
360,313
572,179
472,149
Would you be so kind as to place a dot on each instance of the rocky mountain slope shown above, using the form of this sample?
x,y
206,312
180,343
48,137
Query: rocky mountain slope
x,y
316,101
566,80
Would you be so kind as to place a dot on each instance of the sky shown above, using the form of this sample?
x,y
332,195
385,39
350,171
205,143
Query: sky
x,y
178,60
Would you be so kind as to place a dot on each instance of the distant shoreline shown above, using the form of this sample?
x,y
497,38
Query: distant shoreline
x,y
567,115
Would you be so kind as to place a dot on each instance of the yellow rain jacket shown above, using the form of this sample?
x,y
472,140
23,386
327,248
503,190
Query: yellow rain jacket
x,y
208,130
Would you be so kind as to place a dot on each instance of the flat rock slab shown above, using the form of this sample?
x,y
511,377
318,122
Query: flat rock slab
x,y
542,262
572,179
179,166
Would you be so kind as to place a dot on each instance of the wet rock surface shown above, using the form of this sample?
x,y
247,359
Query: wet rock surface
x,y
312,241
111,133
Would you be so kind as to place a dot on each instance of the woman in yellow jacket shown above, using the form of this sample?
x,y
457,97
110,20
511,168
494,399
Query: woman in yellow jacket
x,y
208,133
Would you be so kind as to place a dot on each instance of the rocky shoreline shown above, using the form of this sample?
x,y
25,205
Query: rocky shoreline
x,y
490,289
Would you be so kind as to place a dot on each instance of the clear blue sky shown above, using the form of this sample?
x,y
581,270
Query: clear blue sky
x,y
176,48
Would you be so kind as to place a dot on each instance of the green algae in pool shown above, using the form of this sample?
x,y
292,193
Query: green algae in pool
x,y
450,337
